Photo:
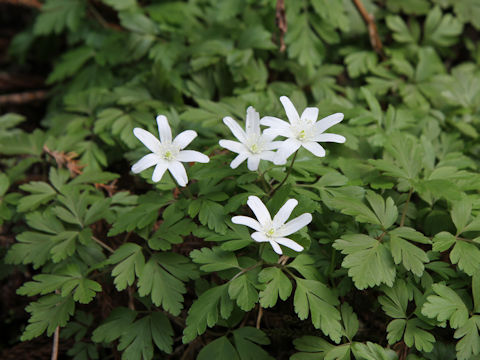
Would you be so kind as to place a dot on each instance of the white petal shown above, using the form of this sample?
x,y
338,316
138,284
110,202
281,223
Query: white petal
x,y
238,160
325,137
278,127
327,122
236,130
247,221
192,155
148,139
288,147
276,247
178,172
273,145
290,110
145,162
315,148
159,171
234,146
252,162
164,129
289,243
252,122
260,237
294,225
310,114
267,155
184,138
284,213
259,209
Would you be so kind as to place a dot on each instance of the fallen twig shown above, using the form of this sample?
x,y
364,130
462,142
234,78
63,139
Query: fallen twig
x,y
372,27
22,98
28,3
281,22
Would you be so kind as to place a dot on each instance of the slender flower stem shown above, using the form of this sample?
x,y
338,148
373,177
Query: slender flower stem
x,y
404,214
102,244
286,177
247,270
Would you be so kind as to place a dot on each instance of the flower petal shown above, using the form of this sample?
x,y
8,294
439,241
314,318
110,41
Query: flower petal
x,y
164,129
253,162
260,237
236,130
272,145
284,213
234,146
315,148
159,171
183,139
277,126
252,122
310,114
294,225
327,122
238,160
267,155
192,155
147,139
289,243
178,172
259,209
145,162
276,247
290,110
325,137
288,147
247,221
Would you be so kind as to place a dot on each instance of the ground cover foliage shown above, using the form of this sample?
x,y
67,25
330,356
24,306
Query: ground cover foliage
x,y
121,267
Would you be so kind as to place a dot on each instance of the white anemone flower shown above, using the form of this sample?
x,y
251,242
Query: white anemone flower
x,y
302,130
252,146
274,231
167,154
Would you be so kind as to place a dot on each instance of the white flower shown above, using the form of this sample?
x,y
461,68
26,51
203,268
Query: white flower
x,y
303,131
274,231
253,145
167,154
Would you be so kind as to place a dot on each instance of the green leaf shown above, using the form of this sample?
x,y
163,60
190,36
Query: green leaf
x,y
395,330
115,325
445,305
461,214
469,344
401,32
247,340
350,321
368,261
302,43
441,30
130,262
70,63
355,208
311,347
121,4
395,301
277,285
172,231
205,311
360,62
31,248
243,290
464,253
165,289
314,298
41,194
212,214
415,334
214,259
412,257
46,314
219,348
57,15
371,351
385,210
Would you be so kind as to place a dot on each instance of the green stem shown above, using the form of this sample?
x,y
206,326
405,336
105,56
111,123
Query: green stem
x,y
404,214
286,177
247,270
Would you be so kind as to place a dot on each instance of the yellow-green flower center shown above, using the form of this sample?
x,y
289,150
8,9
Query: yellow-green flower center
x,y
168,155
302,135
270,232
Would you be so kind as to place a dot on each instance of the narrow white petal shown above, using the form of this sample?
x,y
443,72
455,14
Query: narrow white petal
x,y
284,213
267,155
277,126
236,130
145,162
164,129
178,172
289,243
272,145
234,146
247,221
253,162
315,148
184,138
159,171
148,139
192,155
288,147
259,209
294,225
260,237
276,247
238,160
252,122
325,137
290,110
310,114
327,122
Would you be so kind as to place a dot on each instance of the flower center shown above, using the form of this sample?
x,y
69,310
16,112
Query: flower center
x,y
270,232
169,152
254,144
301,135
303,130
